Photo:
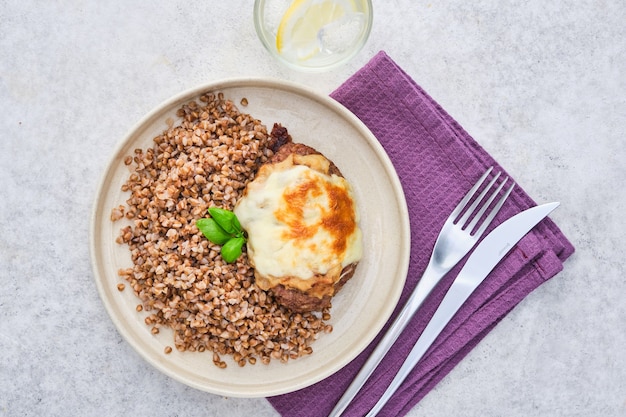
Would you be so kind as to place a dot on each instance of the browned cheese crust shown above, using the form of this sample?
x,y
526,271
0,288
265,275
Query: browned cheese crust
x,y
283,146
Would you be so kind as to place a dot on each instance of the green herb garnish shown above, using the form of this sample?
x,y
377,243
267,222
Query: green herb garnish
x,y
223,229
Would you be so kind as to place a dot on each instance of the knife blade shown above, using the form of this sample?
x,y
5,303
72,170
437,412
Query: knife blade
x,y
481,262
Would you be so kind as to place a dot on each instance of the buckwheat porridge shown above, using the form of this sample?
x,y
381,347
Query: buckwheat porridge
x,y
177,274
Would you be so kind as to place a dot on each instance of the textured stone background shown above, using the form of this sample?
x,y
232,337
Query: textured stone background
x,y
540,85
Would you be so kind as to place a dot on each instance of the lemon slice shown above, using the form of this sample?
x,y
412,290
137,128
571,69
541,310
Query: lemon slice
x,y
299,28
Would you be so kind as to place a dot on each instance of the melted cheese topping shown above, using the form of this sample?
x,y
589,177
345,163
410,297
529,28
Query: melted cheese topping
x,y
302,225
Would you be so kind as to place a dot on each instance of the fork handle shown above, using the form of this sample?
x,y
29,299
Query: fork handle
x,y
454,298
427,282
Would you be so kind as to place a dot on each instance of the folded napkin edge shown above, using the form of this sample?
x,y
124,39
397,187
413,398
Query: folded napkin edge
x,y
559,247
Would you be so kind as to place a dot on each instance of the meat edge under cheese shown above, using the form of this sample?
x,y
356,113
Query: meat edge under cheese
x,y
314,291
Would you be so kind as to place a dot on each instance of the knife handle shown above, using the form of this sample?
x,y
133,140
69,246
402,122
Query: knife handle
x,y
483,260
427,282
450,304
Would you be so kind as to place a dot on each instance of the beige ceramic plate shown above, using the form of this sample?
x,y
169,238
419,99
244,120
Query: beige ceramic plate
x,y
360,309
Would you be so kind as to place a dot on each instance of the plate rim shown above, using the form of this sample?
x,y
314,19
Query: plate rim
x,y
242,82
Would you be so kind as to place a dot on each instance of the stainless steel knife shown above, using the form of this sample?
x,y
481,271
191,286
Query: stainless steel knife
x,y
481,262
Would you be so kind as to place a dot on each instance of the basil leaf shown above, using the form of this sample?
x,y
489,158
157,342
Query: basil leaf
x,y
224,218
212,231
223,228
237,226
232,249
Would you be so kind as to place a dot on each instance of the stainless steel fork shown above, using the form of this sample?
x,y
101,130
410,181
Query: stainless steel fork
x,y
457,237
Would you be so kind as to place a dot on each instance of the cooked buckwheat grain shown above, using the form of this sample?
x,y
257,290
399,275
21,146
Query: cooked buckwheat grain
x,y
179,276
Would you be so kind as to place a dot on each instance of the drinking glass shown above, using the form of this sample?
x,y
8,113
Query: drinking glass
x,y
313,35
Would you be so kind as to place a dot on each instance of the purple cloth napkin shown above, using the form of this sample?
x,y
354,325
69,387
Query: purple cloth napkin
x,y
437,162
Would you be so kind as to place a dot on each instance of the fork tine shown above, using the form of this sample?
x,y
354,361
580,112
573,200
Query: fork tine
x,y
457,210
476,202
451,246
486,205
493,212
